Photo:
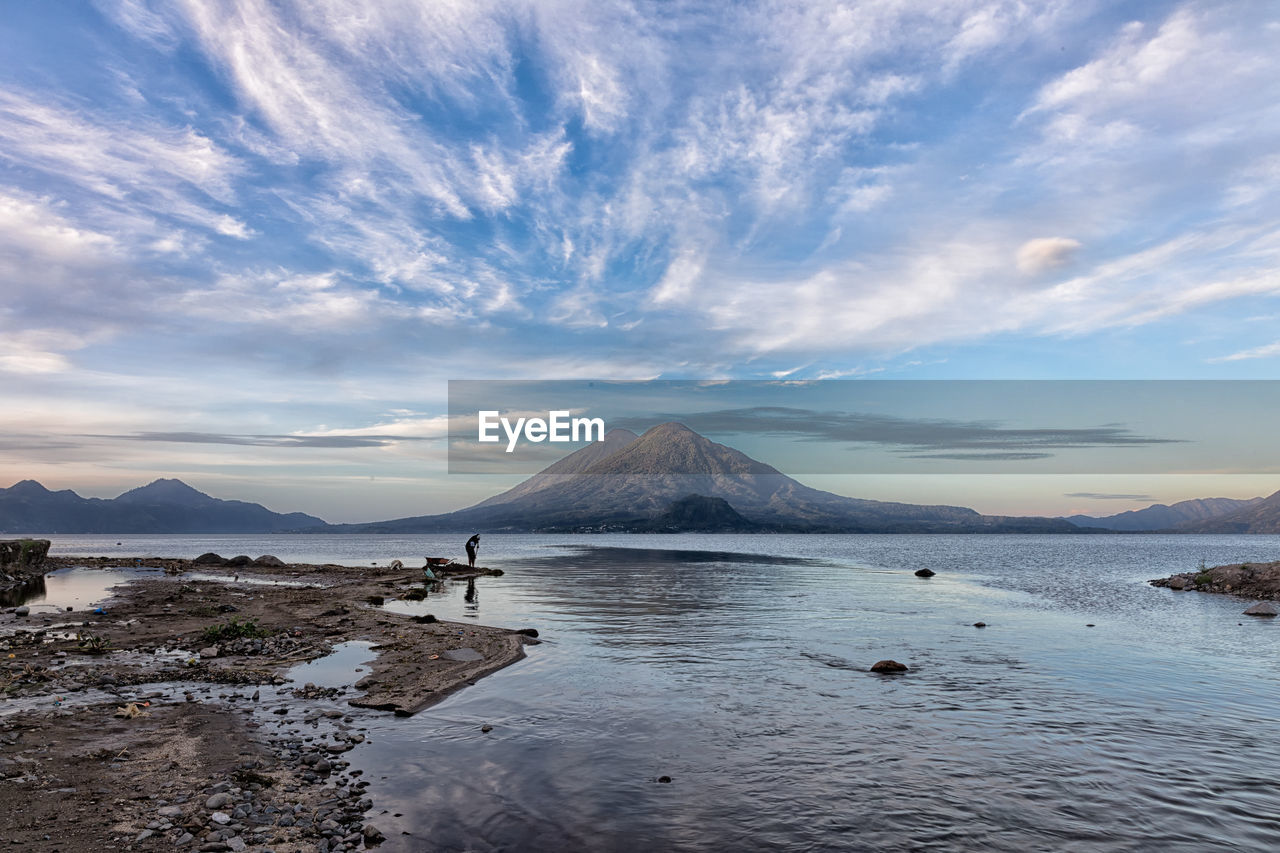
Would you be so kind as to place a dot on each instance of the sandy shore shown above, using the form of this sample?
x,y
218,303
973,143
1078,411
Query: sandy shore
x,y
226,754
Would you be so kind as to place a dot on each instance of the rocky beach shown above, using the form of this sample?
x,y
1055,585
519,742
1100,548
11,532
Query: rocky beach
x,y
1247,580
174,715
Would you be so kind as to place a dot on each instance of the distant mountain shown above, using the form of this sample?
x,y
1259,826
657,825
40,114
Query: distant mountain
x,y
630,484
1261,515
1164,517
165,506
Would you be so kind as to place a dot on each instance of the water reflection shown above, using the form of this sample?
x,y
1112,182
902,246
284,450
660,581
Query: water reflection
x,y
472,599
23,592
77,588
339,668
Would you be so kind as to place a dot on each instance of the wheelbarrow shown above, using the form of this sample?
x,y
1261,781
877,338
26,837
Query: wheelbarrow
x,y
435,563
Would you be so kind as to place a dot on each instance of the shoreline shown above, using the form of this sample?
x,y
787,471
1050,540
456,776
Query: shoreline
x,y
204,662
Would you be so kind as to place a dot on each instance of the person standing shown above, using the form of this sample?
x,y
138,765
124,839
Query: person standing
x,y
473,544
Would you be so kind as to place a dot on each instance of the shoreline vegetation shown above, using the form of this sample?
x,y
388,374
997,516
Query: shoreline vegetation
x,y
1247,580
165,715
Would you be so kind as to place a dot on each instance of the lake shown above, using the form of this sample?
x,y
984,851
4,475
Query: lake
x,y
737,667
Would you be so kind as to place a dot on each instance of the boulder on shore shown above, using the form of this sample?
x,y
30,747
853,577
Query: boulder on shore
x,y
269,560
23,555
209,559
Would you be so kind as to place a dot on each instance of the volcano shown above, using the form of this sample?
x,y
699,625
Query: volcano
x,y
630,483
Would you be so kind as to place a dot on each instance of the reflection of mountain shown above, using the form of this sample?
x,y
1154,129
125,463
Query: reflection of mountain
x,y
1163,517
629,483
1261,515
165,506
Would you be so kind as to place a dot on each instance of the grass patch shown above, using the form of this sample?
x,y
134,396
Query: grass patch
x,y
92,644
234,629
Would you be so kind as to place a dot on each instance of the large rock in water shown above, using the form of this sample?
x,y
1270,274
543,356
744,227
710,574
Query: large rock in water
x,y
23,557
888,666
1262,608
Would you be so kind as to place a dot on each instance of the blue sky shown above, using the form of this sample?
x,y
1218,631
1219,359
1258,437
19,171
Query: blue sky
x,y
302,219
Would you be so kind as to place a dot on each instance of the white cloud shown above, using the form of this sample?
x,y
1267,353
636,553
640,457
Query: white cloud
x,y
34,231
1046,253
229,226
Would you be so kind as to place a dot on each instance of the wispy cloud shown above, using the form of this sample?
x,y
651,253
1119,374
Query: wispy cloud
x,y
988,439
1107,496
1264,351
286,441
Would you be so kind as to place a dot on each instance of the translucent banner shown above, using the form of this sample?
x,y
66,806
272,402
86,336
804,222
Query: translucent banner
x,y
874,427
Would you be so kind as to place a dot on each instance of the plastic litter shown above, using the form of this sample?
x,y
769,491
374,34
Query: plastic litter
x,y
132,710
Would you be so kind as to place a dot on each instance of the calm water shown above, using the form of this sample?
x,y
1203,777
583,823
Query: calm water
x,y
743,678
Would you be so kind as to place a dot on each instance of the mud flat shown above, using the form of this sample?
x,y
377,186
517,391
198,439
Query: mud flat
x,y
175,713
1248,580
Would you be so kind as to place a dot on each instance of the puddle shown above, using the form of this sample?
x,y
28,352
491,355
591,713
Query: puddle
x,y
247,581
342,667
78,588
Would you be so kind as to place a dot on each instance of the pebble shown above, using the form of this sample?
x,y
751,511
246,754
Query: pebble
x,y
221,818
217,801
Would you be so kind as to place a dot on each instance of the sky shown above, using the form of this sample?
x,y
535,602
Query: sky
x,y
248,244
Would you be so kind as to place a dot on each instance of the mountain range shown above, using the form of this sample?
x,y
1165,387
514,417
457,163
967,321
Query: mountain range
x,y
1166,516
669,479
1260,515
164,506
